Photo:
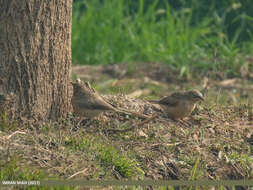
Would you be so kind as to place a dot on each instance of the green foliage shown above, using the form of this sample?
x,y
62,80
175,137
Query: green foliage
x,y
10,171
109,156
194,170
15,169
107,33
186,34
106,155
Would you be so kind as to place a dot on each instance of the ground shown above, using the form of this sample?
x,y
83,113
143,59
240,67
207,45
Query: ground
x,y
215,142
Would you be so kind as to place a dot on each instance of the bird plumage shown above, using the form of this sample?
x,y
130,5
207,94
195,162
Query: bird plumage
x,y
179,104
87,102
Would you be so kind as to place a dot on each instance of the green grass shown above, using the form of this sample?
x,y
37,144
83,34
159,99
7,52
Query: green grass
x,y
11,171
106,155
110,32
5,124
106,33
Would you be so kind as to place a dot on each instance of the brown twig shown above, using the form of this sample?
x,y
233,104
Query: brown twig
x,y
11,135
80,172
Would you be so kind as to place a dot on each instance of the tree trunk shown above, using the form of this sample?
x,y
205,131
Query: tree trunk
x,y
35,56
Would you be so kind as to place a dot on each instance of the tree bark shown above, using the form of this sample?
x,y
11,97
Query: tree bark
x,y
35,56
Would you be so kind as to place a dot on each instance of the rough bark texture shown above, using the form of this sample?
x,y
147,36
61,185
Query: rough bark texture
x,y
35,56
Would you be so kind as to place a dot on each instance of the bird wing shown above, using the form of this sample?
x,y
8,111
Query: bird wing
x,y
101,104
93,104
87,98
171,100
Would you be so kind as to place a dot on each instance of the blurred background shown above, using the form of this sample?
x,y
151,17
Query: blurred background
x,y
186,34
